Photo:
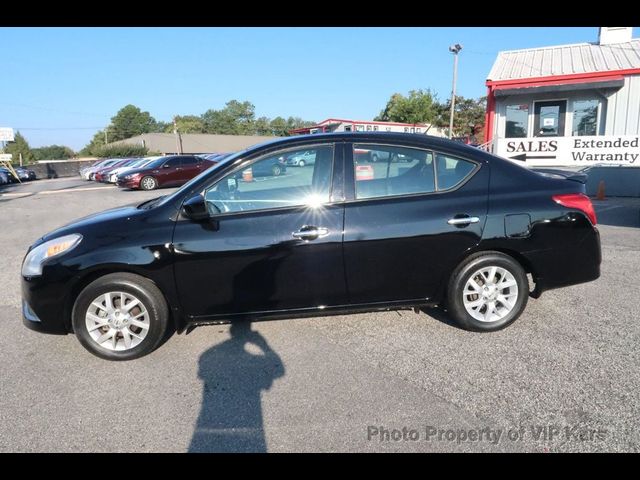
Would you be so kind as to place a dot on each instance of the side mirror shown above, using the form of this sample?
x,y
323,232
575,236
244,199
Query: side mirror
x,y
195,208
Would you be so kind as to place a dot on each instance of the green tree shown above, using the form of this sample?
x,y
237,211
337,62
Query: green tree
x,y
187,124
17,147
121,150
297,122
94,145
420,106
468,117
279,127
52,152
261,126
130,121
236,118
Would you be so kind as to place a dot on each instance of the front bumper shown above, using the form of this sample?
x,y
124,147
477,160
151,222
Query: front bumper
x,y
43,305
130,183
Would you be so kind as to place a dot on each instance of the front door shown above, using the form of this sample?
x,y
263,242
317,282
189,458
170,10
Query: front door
x,y
409,221
549,118
272,243
168,174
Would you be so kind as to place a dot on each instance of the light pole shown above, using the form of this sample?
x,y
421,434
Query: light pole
x,y
455,49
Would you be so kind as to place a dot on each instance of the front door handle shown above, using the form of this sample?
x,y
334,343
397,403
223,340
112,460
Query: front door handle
x,y
463,220
310,233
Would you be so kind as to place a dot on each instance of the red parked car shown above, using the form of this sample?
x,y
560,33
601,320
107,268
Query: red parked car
x,y
169,171
102,175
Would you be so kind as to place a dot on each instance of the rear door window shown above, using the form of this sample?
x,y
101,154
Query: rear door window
x,y
387,171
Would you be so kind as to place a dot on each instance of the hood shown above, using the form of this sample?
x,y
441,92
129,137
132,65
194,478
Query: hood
x,y
139,170
104,220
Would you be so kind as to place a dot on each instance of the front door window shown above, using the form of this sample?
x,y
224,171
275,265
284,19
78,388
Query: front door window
x,y
549,118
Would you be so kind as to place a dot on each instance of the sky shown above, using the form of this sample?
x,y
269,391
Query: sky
x,y
61,85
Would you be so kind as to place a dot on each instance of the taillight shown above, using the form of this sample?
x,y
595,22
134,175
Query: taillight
x,y
579,201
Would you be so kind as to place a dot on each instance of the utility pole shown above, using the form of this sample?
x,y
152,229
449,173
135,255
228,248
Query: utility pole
x,y
455,49
105,136
175,132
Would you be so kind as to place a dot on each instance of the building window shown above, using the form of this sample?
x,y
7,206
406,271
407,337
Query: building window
x,y
347,128
359,128
406,129
585,118
517,119
375,128
368,128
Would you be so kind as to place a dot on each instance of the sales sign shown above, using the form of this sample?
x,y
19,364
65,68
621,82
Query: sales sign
x,y
571,151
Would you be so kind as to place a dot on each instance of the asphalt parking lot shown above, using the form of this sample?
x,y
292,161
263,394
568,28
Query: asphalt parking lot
x,y
564,377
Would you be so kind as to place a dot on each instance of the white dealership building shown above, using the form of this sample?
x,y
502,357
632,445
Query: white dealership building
x,y
567,105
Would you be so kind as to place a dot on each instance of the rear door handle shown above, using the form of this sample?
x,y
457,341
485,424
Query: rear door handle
x,y
463,220
310,233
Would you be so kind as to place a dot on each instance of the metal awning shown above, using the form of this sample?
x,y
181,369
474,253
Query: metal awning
x,y
503,91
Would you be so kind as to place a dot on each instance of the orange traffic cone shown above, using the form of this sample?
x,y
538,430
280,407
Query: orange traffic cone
x,y
600,194
247,175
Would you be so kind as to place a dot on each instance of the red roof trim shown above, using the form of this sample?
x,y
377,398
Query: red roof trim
x,y
562,79
560,82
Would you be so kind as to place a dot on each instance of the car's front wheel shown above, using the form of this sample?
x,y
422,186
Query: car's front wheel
x,y
487,292
148,183
120,316
276,170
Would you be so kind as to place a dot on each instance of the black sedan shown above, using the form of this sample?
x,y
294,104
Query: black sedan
x,y
451,226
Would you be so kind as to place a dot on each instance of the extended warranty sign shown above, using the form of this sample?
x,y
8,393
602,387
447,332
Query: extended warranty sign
x,y
571,151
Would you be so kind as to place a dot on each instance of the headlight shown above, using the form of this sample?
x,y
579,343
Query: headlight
x,y
32,265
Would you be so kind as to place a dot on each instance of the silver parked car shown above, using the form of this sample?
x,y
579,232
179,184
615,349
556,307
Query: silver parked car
x,y
302,159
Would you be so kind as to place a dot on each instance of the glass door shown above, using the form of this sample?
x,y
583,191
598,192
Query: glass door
x,y
549,118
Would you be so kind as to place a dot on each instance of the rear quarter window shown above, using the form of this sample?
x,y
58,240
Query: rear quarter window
x,y
452,171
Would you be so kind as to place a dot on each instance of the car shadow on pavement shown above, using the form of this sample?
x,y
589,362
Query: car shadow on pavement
x,y
234,373
440,314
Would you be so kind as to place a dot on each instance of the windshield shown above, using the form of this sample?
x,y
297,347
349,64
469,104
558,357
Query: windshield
x,y
221,161
157,162
137,163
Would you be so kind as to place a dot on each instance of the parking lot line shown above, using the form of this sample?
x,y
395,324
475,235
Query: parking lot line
x,y
66,190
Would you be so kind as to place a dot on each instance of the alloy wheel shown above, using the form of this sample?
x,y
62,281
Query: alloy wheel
x,y
117,321
490,294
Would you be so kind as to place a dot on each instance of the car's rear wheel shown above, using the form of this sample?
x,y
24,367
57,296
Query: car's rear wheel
x,y
148,183
120,316
276,170
487,292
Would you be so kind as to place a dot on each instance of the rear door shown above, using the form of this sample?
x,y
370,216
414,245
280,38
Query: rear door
x,y
409,220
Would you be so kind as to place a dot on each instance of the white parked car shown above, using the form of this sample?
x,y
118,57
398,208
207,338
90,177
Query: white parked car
x,y
113,176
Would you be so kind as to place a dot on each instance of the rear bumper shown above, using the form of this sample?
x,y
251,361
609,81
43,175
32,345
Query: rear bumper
x,y
571,265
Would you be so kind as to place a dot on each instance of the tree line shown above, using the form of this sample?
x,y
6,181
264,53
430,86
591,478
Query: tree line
x,y
236,118
239,118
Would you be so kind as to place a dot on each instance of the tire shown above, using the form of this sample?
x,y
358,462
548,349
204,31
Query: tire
x,y
148,183
301,163
474,314
276,170
374,158
151,311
